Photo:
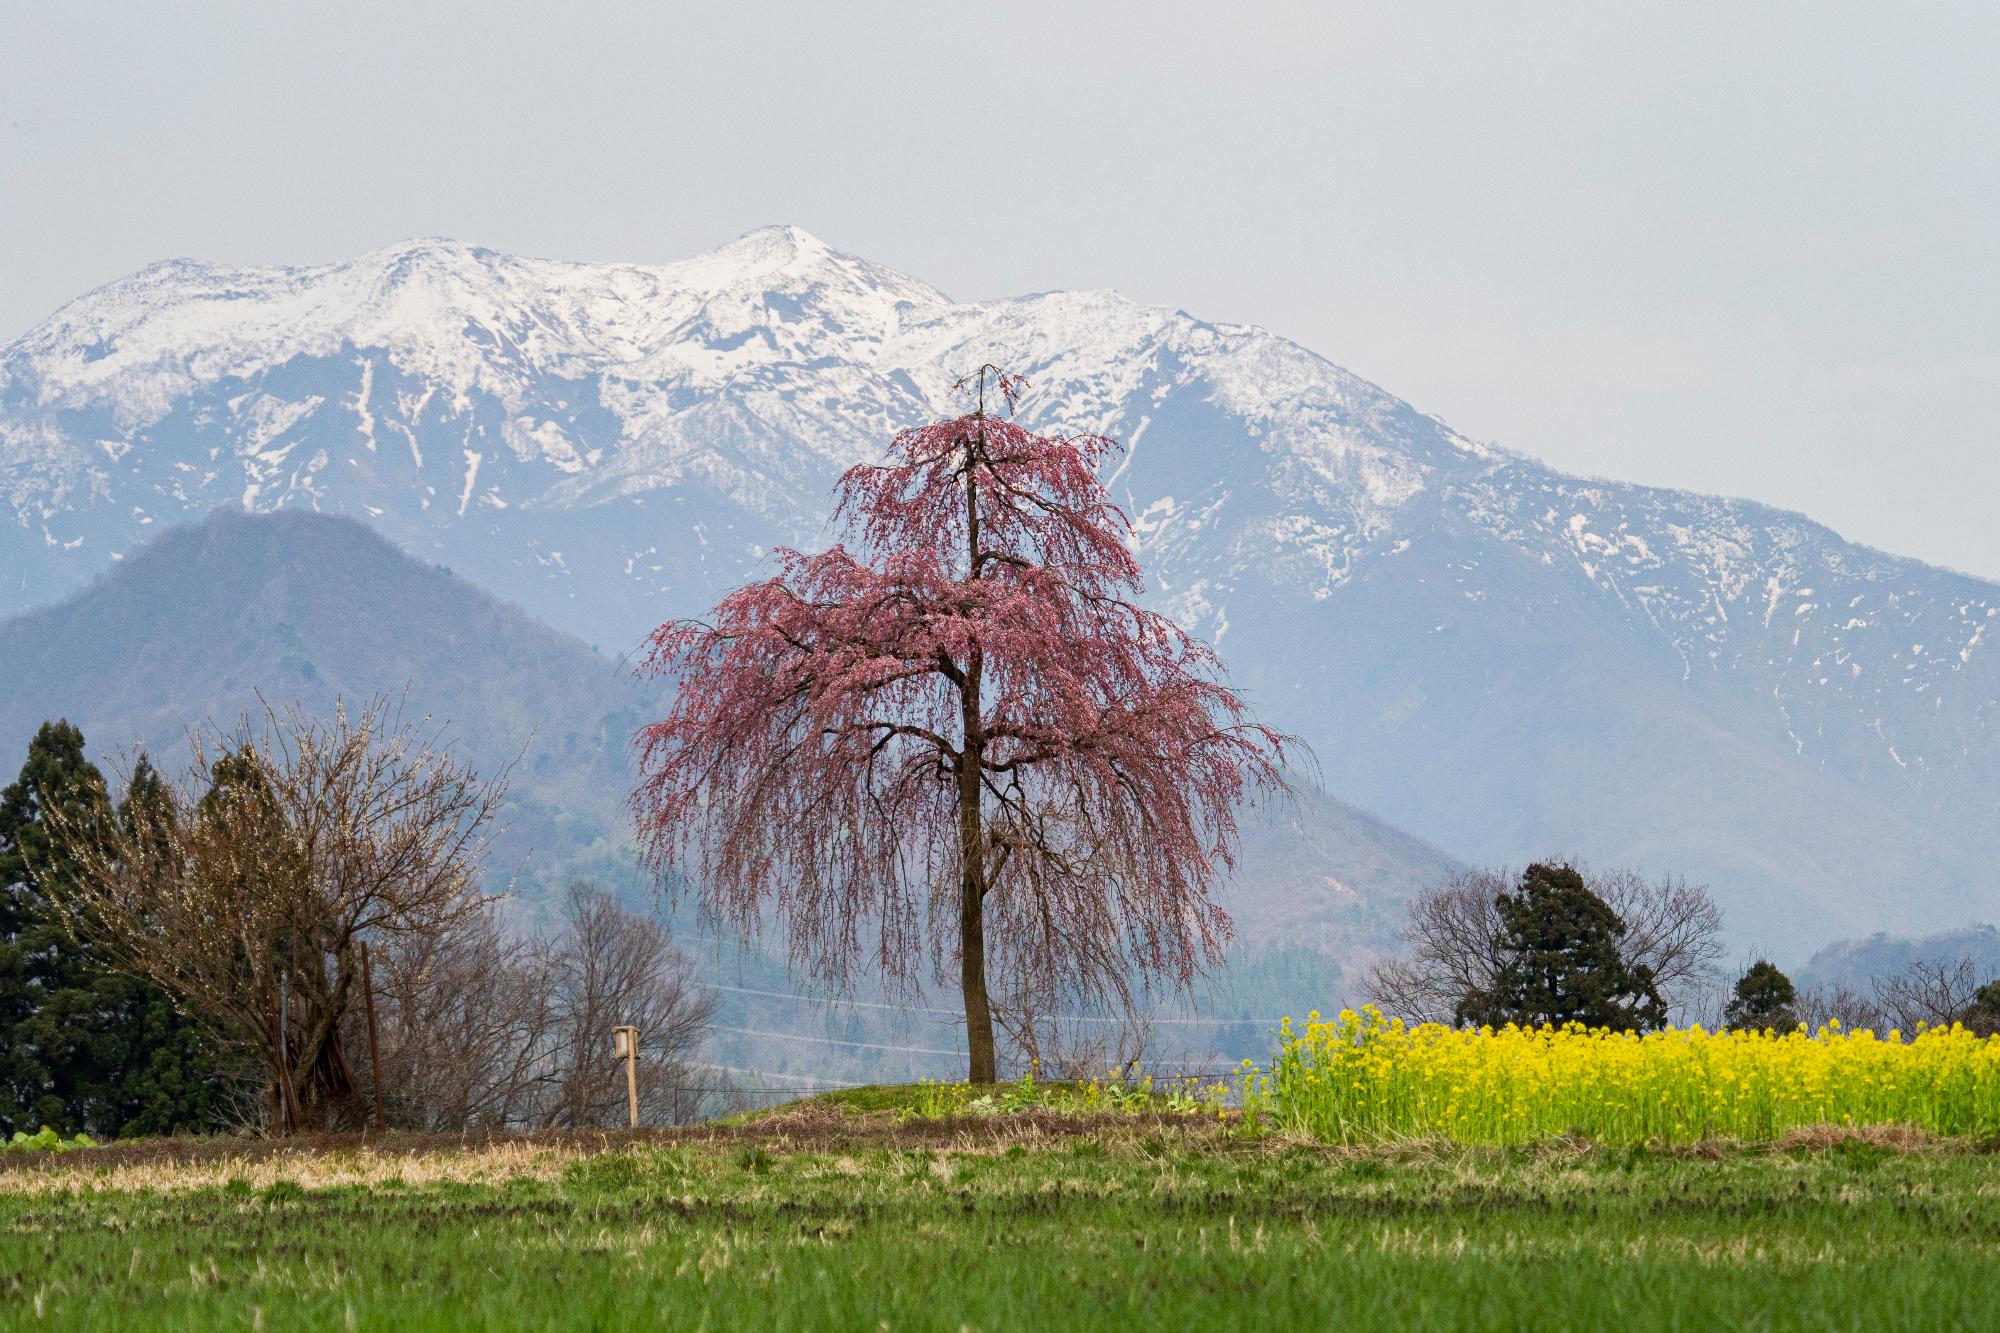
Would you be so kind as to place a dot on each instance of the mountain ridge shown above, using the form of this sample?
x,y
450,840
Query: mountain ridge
x,y
208,621
1716,683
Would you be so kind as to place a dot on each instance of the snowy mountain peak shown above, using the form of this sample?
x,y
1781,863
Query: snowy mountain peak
x,y
612,444
790,259
778,248
464,318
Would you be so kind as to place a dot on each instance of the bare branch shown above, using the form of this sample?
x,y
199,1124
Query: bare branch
x,y
246,890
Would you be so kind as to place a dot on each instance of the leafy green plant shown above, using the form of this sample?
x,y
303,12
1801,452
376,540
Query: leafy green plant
x,y
47,1140
1130,1092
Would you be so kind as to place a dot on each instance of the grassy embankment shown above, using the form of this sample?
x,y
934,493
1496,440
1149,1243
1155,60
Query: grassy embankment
x,y
829,1217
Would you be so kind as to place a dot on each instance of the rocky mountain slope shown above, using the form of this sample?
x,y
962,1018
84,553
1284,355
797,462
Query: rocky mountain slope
x,y
1506,661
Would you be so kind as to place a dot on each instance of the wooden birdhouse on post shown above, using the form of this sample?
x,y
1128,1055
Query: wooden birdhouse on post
x,y
625,1046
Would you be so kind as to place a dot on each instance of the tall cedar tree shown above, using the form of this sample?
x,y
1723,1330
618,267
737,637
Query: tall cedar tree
x,y
1764,998
963,738
83,1044
1560,961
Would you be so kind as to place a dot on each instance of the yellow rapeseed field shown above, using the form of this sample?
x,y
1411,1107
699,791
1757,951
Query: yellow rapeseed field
x,y
1365,1078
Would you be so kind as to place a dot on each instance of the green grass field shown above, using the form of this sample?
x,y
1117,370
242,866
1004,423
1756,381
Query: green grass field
x,y
822,1220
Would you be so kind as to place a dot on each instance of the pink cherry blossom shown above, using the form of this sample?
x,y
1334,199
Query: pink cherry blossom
x,y
959,739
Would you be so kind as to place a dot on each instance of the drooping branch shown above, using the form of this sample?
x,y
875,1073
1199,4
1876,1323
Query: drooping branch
x,y
978,666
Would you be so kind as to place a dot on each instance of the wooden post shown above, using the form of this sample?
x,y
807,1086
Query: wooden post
x,y
625,1042
374,1058
632,1079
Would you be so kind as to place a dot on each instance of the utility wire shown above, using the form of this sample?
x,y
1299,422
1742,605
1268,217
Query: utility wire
x,y
772,1073
953,1013
761,1092
821,999
832,1041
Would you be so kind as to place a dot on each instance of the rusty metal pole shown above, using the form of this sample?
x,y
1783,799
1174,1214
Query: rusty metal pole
x,y
374,1058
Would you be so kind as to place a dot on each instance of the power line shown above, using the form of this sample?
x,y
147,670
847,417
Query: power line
x,y
953,1013
772,1073
758,1092
824,1000
832,1041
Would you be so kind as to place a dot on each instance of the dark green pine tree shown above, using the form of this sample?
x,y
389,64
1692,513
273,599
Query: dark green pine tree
x,y
1983,1018
83,1045
1764,998
1561,961
40,1063
178,1074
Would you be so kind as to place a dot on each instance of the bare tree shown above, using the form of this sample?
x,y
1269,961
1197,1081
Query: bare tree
x,y
464,1020
483,1029
1937,993
1819,1006
1671,926
610,967
245,888
1452,939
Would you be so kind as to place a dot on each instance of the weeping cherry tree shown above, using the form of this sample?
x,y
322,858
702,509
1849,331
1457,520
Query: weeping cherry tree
x,y
960,739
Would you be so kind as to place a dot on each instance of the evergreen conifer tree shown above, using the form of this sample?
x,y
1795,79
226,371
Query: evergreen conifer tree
x,y
1560,961
1984,1017
1764,998
83,1045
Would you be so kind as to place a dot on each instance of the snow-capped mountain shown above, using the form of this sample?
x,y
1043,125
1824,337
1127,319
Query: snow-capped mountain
x,y
1503,659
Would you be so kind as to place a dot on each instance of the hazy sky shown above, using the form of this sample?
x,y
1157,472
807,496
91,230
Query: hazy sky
x,y
1751,249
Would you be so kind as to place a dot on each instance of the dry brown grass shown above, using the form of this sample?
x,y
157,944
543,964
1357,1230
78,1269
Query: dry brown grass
x,y
492,1163
1902,1138
318,1161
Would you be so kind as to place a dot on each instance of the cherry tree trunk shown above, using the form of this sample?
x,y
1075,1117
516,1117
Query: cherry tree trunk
x,y
972,972
971,831
972,930
972,896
